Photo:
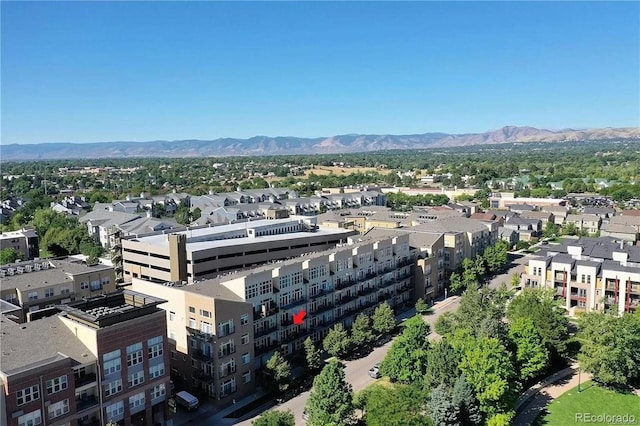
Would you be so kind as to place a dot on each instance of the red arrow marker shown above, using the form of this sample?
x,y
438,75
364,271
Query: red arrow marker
x,y
299,317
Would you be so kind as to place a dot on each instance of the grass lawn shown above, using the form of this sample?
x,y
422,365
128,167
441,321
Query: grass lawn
x,y
593,400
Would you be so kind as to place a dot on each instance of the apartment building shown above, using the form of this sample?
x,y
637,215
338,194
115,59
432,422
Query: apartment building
x,y
203,252
589,274
503,200
41,284
584,222
463,238
250,313
211,337
24,241
100,360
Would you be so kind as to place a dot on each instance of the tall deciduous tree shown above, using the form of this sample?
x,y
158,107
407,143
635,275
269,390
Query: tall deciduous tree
x,y
279,369
383,319
9,255
532,357
547,315
331,400
442,365
406,361
610,348
361,331
487,367
275,418
337,342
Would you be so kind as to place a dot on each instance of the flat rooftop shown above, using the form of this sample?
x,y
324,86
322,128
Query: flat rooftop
x,y
54,273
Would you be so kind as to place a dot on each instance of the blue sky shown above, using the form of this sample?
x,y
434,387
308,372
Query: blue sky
x,y
113,71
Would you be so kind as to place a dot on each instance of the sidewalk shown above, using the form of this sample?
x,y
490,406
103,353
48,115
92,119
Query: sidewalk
x,y
535,399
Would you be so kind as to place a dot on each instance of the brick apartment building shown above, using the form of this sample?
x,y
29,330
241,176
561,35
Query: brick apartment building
x,y
101,359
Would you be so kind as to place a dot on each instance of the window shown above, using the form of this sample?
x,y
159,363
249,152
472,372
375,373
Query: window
x,y
111,362
33,418
226,348
134,354
244,339
192,323
136,401
64,290
206,327
244,319
156,371
84,285
95,285
33,295
246,377
172,316
115,410
228,387
192,310
158,391
56,385
225,328
58,409
28,394
48,292
588,279
113,387
205,313
246,358
155,347
136,378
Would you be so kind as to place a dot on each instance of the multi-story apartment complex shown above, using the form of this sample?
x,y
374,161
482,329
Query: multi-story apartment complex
x,y
40,284
589,274
209,251
103,359
25,241
225,328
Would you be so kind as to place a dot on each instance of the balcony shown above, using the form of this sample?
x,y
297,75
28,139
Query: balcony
x,y
344,284
260,350
197,334
386,283
203,377
322,308
403,263
367,290
294,336
265,312
264,331
86,402
346,313
85,379
294,304
320,293
345,299
202,356
367,304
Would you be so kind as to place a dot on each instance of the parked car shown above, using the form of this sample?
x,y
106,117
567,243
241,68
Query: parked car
x,y
375,371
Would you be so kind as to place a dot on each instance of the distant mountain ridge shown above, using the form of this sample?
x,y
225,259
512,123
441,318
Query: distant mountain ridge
x,y
265,145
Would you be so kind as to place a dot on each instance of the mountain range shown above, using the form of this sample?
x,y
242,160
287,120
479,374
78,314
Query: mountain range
x,y
265,145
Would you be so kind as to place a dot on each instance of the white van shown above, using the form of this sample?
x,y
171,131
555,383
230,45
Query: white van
x,y
187,400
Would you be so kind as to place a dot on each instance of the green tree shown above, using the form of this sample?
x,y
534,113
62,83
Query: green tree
x,y
406,361
550,230
361,331
383,319
331,400
610,348
455,283
275,418
532,356
337,342
548,316
469,273
10,255
488,369
421,306
515,279
312,354
279,370
397,405
442,365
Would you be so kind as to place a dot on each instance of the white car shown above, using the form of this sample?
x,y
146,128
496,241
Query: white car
x,y
375,371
